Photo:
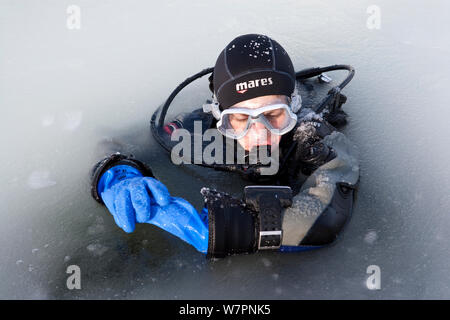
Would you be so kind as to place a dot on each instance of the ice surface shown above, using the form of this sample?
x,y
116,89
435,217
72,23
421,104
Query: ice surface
x,y
64,92
40,179
96,249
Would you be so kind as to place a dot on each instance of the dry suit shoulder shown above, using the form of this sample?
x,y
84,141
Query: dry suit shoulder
x,y
331,222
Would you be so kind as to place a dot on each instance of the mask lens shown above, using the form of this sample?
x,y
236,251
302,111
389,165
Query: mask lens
x,y
238,121
278,118
234,124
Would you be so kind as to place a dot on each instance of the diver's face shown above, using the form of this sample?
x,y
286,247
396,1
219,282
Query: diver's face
x,y
258,134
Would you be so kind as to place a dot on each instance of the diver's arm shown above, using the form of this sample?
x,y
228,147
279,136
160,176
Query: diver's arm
x,y
226,225
133,195
324,204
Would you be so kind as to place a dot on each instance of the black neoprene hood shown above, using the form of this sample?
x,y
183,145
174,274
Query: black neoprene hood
x,y
250,66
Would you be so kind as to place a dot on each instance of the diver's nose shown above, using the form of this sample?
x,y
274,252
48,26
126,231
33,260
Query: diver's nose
x,y
258,131
257,126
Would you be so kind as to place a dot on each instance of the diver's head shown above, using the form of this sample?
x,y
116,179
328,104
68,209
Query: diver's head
x,y
254,91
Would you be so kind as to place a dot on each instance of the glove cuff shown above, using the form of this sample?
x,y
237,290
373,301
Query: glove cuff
x,y
111,161
231,224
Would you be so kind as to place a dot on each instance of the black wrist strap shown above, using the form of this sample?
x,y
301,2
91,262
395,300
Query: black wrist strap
x,y
269,201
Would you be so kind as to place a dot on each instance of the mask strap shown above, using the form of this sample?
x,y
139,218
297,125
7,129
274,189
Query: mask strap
x,y
296,101
212,107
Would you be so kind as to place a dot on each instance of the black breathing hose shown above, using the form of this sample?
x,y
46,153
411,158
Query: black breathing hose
x,y
180,87
312,72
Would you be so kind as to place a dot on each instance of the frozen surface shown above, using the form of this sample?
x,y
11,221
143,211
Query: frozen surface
x,y
64,92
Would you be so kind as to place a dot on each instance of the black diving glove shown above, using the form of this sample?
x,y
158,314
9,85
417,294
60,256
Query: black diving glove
x,y
310,148
231,224
245,226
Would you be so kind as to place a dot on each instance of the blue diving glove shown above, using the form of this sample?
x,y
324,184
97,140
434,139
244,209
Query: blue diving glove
x,y
133,198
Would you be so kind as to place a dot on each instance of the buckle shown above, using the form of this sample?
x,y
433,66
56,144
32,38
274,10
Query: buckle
x,y
270,239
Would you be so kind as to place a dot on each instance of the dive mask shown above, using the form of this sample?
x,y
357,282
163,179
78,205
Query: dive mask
x,y
235,122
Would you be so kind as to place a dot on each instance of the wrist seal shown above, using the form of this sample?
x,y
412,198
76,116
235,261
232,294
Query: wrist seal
x,y
111,161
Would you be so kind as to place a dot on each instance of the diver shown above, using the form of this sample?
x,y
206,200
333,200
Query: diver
x,y
255,104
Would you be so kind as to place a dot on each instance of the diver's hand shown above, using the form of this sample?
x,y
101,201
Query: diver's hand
x,y
146,200
134,198
310,148
129,196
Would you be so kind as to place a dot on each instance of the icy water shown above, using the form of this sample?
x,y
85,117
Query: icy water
x,y
65,92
